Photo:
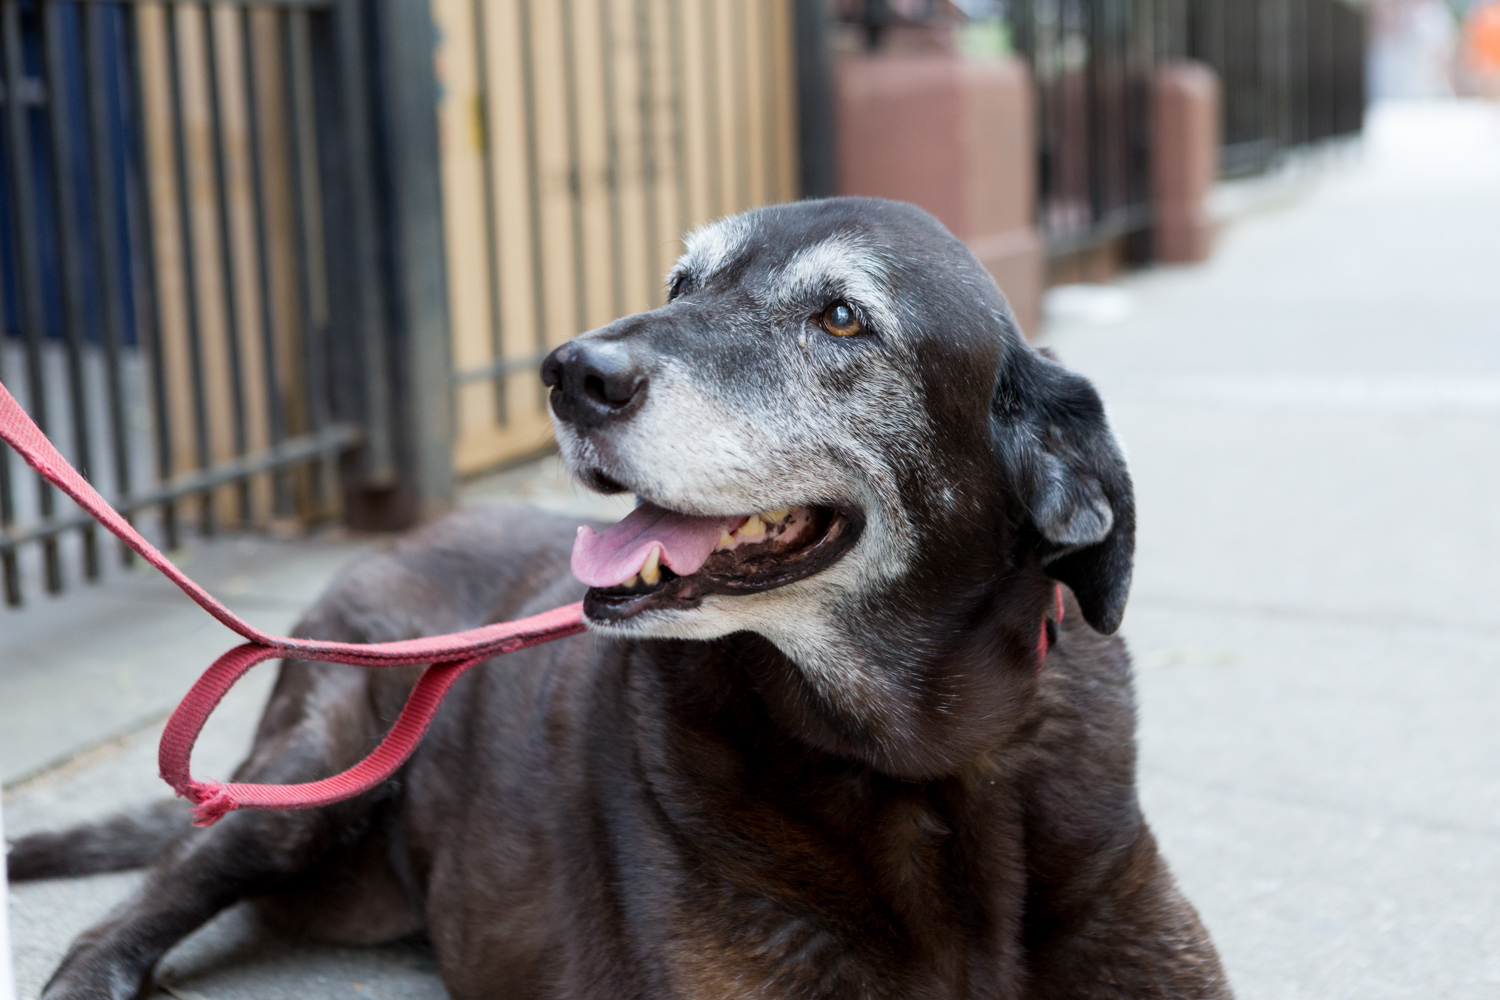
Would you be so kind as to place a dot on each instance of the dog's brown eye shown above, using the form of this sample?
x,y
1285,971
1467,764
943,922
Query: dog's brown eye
x,y
840,320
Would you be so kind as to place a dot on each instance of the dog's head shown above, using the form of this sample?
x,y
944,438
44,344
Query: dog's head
x,y
834,417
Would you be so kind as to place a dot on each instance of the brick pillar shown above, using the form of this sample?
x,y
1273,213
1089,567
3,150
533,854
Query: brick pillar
x,y
956,137
1184,159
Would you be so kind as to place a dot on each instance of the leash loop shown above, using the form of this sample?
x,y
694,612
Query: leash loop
x,y
447,658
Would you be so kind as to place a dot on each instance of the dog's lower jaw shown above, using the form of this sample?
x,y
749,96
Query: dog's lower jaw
x,y
858,556
856,679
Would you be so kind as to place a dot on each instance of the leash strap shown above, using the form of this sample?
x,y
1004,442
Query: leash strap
x,y
447,658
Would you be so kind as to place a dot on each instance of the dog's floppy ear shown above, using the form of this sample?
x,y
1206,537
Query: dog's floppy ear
x,y
1066,465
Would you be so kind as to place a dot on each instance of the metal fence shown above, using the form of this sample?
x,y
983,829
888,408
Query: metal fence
x,y
192,237
247,274
1091,63
1292,73
271,260
1292,70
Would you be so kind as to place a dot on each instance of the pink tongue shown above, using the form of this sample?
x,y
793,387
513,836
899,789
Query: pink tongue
x,y
612,558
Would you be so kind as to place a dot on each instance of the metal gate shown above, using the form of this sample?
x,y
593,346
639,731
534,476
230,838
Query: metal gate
x,y
196,242
1292,74
1091,61
580,140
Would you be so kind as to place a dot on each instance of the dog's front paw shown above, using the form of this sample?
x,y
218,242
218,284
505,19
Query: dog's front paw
x,y
95,970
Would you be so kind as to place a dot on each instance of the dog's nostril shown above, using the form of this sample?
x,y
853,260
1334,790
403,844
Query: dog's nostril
x,y
591,382
594,386
612,389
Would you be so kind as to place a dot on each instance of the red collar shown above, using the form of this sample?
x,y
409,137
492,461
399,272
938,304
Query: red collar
x,y
1049,629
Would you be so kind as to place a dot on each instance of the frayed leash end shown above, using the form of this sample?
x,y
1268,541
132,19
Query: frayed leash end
x,y
211,801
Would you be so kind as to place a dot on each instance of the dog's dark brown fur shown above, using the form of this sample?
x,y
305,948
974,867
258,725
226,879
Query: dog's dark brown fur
x,y
641,817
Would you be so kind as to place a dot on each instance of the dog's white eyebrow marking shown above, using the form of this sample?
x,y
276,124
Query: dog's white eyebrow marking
x,y
710,247
846,266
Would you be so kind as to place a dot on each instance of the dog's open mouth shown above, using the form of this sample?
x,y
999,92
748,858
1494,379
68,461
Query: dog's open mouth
x,y
658,559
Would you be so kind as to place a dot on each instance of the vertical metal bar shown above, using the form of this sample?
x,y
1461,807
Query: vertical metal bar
x,y
33,315
771,116
281,496
311,290
710,84
67,222
419,284
677,58
612,147
379,451
189,269
534,185
106,244
490,206
1094,113
649,167
740,151
226,253
815,98
143,269
575,166
9,567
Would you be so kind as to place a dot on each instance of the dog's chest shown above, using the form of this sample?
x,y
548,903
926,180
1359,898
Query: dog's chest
x,y
898,910
769,952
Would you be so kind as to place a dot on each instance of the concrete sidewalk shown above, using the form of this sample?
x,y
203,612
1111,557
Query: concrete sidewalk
x,y
1313,421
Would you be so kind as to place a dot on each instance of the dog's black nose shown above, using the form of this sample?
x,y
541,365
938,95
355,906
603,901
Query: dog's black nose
x,y
593,382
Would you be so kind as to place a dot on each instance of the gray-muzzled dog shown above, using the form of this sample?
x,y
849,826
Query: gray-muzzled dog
x,y
826,737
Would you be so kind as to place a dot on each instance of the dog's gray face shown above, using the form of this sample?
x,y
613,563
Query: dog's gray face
x,y
847,366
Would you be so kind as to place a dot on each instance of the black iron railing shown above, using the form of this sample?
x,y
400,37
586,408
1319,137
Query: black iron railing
x,y
1091,63
167,237
1292,73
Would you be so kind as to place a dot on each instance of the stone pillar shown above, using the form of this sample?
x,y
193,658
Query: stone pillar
x,y
1184,159
956,137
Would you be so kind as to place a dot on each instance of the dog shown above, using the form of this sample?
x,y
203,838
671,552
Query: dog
x,y
849,720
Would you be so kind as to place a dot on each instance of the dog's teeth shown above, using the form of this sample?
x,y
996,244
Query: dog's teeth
x,y
631,582
753,527
651,572
774,516
726,540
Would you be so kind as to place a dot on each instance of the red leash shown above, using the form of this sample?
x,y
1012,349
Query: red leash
x,y
448,656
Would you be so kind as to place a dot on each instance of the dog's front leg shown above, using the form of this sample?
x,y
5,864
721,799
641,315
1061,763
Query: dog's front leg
x,y
204,873
319,721
1134,934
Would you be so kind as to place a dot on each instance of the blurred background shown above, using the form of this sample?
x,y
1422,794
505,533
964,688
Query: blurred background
x,y
277,275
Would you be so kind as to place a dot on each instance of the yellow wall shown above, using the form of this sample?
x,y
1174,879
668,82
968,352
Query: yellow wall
x,y
580,140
